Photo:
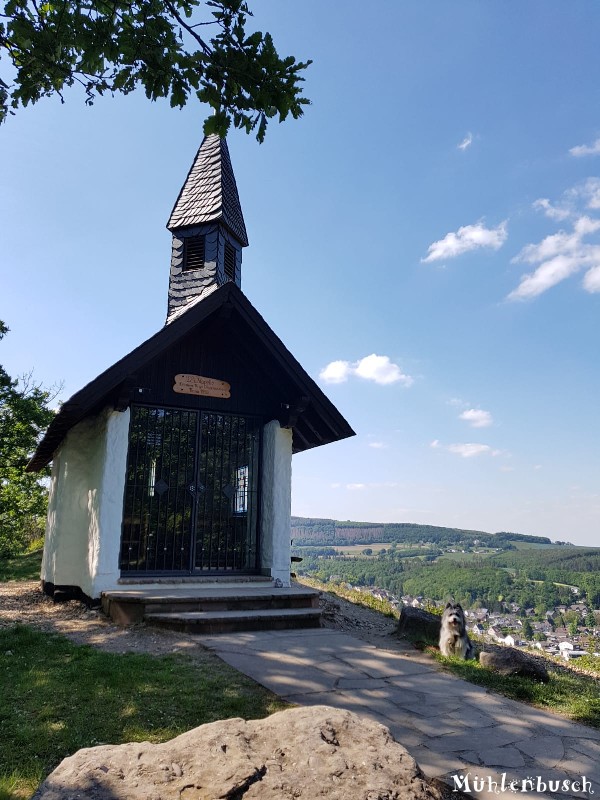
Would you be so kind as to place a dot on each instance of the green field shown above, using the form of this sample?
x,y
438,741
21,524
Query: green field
x,y
357,550
467,557
520,545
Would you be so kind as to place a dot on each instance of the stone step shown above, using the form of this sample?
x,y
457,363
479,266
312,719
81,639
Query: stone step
x,y
214,622
129,606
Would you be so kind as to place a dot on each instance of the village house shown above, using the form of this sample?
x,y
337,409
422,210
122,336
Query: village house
x,y
568,651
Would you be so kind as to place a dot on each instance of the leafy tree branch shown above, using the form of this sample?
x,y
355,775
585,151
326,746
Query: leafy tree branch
x,y
111,46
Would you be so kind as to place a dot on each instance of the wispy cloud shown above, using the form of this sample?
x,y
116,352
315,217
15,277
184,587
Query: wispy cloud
x,y
378,445
557,212
477,418
559,256
585,195
466,449
586,149
467,238
359,487
466,142
379,369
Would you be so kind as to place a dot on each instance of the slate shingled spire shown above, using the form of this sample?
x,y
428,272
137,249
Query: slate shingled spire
x,y
207,226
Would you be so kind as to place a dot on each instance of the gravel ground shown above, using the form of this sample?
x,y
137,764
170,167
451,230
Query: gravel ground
x,y
24,602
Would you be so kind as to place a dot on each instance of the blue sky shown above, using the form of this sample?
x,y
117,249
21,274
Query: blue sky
x,y
426,241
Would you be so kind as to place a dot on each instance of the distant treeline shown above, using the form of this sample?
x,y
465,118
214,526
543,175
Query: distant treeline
x,y
310,531
483,582
563,565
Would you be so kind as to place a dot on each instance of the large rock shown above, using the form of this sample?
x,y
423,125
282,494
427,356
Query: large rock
x,y
509,661
419,625
301,753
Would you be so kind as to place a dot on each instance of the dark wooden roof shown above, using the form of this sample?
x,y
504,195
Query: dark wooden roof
x,y
210,193
312,417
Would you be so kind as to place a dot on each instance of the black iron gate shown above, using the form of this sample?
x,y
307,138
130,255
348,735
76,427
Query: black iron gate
x,y
191,494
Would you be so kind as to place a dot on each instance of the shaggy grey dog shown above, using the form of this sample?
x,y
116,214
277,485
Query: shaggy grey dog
x,y
453,634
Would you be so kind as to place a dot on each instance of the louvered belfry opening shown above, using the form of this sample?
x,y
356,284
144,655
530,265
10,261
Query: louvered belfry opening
x,y
194,252
191,495
229,262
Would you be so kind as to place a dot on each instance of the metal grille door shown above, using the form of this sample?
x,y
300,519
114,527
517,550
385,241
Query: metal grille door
x,y
226,514
191,499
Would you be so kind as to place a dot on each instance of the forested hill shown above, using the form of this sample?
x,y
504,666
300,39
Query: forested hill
x,y
310,531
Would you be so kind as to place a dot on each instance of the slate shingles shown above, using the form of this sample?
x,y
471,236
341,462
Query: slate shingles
x,y
210,193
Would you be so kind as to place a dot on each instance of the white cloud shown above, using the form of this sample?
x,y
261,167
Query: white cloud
x,y
586,149
379,369
469,449
560,256
336,372
591,280
466,142
467,238
466,449
378,445
359,487
477,418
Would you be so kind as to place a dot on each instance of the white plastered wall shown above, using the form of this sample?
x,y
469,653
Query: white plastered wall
x,y
85,509
276,502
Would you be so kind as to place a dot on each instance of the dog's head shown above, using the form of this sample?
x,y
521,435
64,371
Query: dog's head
x,y
454,615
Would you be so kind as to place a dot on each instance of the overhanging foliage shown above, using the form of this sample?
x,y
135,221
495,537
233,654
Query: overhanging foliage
x,y
110,46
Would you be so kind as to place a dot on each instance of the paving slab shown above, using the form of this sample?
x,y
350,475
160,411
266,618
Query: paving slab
x,y
501,757
470,717
546,750
587,746
456,731
494,737
433,726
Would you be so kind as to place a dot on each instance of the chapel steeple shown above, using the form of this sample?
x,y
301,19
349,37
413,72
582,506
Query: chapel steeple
x,y
207,226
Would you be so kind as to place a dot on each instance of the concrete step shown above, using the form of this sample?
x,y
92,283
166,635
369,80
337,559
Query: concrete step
x,y
214,622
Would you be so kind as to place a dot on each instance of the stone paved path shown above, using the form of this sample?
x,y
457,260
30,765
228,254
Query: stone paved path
x,y
455,730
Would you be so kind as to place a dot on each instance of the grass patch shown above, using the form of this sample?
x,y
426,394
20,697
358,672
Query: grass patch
x,y
574,695
57,697
24,567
